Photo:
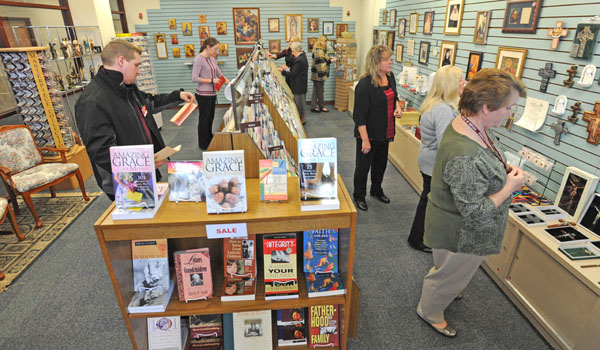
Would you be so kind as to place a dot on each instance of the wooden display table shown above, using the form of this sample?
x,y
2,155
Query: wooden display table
x,y
404,153
184,224
77,154
559,298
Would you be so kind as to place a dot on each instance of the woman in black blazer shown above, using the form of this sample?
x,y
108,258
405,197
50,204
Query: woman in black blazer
x,y
375,106
298,76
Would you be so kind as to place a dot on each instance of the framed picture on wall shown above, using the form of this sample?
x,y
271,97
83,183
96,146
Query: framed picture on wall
x,y
401,27
428,22
393,18
399,53
161,46
424,52
327,28
312,24
454,13
512,60
521,16
413,23
447,53
384,15
246,22
375,37
340,28
410,47
382,39
189,51
575,191
311,43
223,49
293,26
474,64
176,52
331,46
201,19
203,31
273,25
585,40
221,28
186,28
590,217
275,46
174,39
172,23
242,55
482,24
389,41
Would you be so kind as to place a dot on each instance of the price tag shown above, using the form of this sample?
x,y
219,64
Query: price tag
x,y
275,148
245,126
256,98
227,231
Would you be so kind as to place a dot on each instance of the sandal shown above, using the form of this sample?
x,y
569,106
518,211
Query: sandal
x,y
324,110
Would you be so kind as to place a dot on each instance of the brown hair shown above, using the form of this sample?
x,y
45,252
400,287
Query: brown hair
x,y
491,87
209,42
116,48
374,58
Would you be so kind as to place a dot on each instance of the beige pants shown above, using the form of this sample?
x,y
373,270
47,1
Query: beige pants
x,y
450,274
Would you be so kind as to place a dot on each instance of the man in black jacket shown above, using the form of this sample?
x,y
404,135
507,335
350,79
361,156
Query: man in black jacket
x,y
112,111
298,75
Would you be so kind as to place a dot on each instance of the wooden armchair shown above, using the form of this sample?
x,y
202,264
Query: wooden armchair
x,y
23,170
5,211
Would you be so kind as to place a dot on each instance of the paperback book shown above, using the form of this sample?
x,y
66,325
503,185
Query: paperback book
x,y
151,282
183,113
280,268
225,182
186,181
167,333
317,173
273,180
580,251
291,327
252,330
239,257
236,289
324,326
206,331
134,178
321,251
194,278
324,285
151,300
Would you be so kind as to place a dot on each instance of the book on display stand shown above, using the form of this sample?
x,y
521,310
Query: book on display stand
x,y
317,173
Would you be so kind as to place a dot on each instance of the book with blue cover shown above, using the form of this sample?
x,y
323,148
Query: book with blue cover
x,y
321,251
324,285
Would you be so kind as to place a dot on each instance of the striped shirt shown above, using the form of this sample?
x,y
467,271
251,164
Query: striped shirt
x,y
205,68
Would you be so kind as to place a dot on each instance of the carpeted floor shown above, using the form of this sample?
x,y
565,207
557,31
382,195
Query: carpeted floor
x,y
65,299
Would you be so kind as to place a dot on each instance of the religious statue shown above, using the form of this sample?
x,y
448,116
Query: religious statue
x,y
587,76
86,46
76,48
560,105
404,78
52,50
559,129
69,47
92,73
82,73
59,81
421,84
64,49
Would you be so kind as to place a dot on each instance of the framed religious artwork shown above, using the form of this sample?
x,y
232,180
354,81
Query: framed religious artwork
x,y
389,41
375,37
401,27
312,24
512,60
447,53
454,13
384,15
201,19
242,55
246,22
424,52
584,40
172,23
473,64
382,39
327,27
275,46
410,47
161,46
223,49
331,46
204,32
340,28
428,22
311,43
176,52
174,39
399,53
413,23
189,51
590,217
575,191
293,26
186,28
482,25
273,25
521,16
393,18
221,28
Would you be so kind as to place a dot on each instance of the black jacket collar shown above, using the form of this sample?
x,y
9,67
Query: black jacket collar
x,y
114,78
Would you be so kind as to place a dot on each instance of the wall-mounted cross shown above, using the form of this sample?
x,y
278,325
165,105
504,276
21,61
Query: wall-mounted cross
x,y
593,128
556,33
576,107
546,73
572,71
584,36
559,129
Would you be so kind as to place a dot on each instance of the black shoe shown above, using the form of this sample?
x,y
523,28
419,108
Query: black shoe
x,y
361,204
422,247
382,197
315,110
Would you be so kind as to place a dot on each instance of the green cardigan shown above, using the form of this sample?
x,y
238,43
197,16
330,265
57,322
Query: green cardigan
x,y
460,216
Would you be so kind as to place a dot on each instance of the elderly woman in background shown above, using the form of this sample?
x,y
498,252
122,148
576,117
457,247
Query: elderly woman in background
x,y
319,73
437,112
471,190
298,76
289,57
376,104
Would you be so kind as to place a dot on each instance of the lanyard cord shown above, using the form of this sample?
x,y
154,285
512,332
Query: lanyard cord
x,y
485,140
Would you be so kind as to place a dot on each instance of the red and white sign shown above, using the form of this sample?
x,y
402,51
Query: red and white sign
x,y
227,231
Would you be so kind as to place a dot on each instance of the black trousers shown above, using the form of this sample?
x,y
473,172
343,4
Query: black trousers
x,y
418,227
376,161
206,115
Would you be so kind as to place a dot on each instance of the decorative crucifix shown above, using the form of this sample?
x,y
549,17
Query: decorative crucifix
x,y
572,71
593,128
556,33
584,36
546,73
576,107
559,129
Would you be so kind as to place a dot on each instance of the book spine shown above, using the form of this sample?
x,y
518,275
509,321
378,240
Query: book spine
x,y
178,274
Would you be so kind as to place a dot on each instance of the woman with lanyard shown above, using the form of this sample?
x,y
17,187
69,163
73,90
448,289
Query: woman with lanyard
x,y
206,73
471,190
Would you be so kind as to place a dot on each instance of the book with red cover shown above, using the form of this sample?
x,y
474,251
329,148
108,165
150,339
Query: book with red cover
x,y
220,83
235,289
239,260
183,113
324,326
194,278
281,279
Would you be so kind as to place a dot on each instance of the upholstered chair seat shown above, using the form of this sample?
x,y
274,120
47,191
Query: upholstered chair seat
x,y
41,175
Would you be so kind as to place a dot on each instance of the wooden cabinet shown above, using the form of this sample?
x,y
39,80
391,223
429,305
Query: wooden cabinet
x,y
561,299
404,153
184,225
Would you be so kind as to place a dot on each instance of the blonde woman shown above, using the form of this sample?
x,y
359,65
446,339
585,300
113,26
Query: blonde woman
x,y
437,112
319,73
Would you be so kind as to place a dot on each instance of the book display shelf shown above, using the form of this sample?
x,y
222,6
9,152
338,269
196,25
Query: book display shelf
x,y
184,225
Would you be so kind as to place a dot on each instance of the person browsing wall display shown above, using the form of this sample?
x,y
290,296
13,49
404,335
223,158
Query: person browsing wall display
x,y
206,73
319,73
376,104
289,57
471,190
298,76
437,111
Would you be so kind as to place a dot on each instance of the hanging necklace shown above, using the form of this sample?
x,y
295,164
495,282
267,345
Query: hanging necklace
x,y
486,140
